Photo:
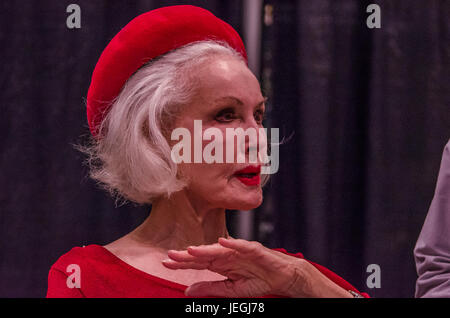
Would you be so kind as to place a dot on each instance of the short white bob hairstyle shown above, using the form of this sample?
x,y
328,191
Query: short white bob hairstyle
x,y
131,159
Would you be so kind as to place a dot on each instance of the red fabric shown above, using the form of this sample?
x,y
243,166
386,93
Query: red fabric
x,y
104,275
147,36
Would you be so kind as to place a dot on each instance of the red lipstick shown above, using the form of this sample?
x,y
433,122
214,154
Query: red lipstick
x,y
250,176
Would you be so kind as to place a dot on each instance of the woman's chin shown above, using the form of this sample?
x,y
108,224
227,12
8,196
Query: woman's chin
x,y
245,202
244,197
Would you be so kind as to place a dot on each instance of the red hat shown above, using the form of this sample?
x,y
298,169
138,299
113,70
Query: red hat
x,y
147,36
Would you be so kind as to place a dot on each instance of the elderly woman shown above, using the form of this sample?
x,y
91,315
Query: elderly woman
x,y
165,69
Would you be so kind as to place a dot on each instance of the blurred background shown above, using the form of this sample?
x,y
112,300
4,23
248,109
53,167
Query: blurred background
x,y
366,110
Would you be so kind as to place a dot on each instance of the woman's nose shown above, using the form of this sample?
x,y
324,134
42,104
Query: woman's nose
x,y
252,142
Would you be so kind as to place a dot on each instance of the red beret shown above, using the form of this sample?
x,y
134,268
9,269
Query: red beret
x,y
147,36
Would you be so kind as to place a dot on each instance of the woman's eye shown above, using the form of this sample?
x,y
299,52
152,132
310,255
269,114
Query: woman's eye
x,y
225,116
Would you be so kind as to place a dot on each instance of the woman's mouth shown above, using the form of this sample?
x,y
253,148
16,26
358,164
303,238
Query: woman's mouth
x,y
250,176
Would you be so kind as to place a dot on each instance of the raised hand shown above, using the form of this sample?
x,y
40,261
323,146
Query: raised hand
x,y
252,270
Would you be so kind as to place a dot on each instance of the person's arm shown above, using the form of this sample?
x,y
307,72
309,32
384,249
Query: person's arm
x,y
253,270
310,282
432,250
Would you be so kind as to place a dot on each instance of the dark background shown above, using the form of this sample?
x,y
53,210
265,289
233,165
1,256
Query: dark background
x,y
368,111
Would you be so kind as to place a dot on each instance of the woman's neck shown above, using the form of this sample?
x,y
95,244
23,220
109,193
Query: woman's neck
x,y
177,223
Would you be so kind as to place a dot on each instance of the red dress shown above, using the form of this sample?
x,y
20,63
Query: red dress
x,y
104,275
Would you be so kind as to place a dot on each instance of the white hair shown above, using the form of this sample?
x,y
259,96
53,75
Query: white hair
x,y
131,158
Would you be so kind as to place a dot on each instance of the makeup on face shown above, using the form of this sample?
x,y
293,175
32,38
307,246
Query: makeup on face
x,y
250,175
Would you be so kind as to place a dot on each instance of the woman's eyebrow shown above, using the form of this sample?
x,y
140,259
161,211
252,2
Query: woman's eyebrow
x,y
229,99
237,100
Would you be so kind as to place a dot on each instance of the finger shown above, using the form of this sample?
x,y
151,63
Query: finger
x,y
181,256
224,288
209,251
185,265
244,246
240,245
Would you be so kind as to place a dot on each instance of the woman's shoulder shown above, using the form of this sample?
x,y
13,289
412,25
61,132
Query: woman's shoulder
x,y
282,250
81,255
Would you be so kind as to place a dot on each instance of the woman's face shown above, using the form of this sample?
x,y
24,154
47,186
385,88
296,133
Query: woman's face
x,y
228,96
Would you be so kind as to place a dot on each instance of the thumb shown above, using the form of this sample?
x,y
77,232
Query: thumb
x,y
223,288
